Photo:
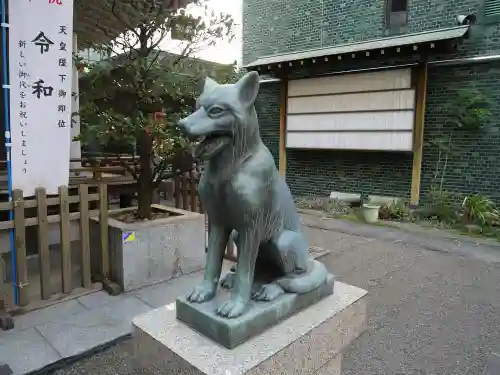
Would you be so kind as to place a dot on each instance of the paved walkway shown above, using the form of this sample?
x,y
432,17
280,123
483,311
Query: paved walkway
x,y
61,333
431,311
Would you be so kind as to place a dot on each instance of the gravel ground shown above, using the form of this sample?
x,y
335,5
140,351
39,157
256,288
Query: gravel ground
x,y
430,312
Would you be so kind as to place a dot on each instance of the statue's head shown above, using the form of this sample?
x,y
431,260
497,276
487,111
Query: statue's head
x,y
225,116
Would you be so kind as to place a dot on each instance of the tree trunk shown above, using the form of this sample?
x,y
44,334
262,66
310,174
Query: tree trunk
x,y
145,191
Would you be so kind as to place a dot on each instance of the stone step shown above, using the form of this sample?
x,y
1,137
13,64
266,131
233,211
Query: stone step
x,y
5,369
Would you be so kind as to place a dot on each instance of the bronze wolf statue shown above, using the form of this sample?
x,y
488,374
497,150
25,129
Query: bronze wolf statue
x,y
247,198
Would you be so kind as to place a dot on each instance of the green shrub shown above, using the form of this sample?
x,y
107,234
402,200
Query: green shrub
x,y
397,210
326,204
480,210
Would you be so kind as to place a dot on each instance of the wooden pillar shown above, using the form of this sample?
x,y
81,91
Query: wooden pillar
x,y
75,146
283,105
418,134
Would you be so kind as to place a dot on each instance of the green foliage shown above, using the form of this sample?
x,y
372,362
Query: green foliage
x,y
326,204
119,96
470,110
397,211
480,210
441,206
475,215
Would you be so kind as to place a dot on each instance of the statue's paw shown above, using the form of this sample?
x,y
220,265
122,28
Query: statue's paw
x,y
202,292
227,281
268,292
232,308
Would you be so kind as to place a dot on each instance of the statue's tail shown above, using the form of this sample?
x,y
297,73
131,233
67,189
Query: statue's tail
x,y
316,276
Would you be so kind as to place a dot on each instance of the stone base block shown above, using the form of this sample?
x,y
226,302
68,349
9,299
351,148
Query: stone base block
x,y
258,317
493,362
5,370
309,342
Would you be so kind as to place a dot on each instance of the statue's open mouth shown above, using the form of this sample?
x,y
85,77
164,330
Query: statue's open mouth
x,y
211,144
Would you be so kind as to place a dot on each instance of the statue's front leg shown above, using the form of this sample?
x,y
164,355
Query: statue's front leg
x,y
248,248
217,240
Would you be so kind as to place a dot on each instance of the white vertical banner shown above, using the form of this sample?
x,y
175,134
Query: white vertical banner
x,y
40,71
76,151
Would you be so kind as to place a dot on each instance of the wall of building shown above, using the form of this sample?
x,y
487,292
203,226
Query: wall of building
x,y
284,26
472,166
275,27
268,109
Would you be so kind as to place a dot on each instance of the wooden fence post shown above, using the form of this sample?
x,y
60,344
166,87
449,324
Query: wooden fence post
x,y
185,191
108,285
85,236
43,243
6,321
103,224
67,281
193,190
177,190
21,282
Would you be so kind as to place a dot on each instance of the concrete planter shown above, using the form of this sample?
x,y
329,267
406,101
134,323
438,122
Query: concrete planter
x,y
149,252
369,213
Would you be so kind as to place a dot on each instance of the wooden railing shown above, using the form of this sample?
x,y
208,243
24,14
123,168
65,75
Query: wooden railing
x,y
102,165
186,197
186,191
42,211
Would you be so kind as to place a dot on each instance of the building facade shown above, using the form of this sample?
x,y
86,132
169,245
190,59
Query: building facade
x,y
363,93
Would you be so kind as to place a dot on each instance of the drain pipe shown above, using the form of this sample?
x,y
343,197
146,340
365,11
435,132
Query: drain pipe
x,y
268,79
8,143
465,60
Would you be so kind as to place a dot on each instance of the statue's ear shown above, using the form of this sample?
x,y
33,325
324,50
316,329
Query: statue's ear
x,y
210,84
248,88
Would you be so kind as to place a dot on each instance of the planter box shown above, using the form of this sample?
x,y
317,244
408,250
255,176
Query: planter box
x,y
149,252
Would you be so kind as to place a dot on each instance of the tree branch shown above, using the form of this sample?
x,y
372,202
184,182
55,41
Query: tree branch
x,y
126,24
158,171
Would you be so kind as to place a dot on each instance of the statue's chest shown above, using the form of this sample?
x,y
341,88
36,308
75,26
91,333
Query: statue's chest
x,y
220,197
214,190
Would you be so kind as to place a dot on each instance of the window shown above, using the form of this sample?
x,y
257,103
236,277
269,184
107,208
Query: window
x,y
397,13
492,11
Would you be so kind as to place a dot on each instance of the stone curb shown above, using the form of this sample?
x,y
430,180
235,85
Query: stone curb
x,y
486,252
65,362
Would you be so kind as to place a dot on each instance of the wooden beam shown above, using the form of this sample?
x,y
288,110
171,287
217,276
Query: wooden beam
x,y
418,133
283,103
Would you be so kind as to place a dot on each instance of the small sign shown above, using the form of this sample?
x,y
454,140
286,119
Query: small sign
x,y
128,237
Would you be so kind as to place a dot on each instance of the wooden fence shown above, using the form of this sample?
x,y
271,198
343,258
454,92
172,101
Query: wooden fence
x,y
41,211
186,197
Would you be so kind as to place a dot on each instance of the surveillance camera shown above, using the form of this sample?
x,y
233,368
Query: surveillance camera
x,y
466,20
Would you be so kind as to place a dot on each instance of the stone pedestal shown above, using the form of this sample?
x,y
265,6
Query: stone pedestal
x,y
310,342
493,362
258,317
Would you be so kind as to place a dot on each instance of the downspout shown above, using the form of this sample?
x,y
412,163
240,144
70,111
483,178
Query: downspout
x,y
264,79
8,144
466,60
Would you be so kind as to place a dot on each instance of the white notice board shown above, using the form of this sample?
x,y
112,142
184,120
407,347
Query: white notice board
x,y
40,72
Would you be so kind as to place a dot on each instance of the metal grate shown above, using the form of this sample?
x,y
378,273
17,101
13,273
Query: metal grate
x,y
491,7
